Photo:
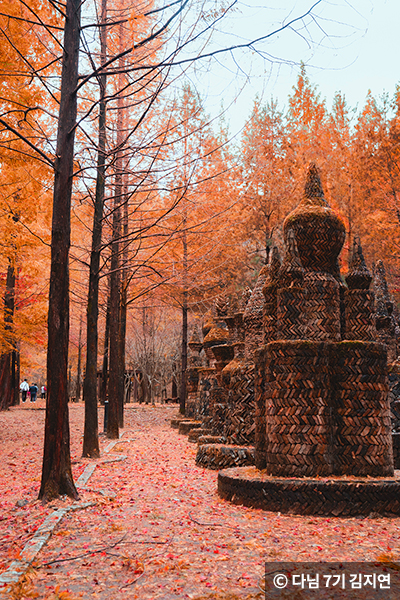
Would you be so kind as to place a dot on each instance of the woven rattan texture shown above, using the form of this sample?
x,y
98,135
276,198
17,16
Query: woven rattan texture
x,y
360,405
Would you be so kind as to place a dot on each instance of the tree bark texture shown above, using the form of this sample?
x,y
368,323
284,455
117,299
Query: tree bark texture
x,y
56,471
104,371
7,360
115,404
114,366
91,434
79,365
182,399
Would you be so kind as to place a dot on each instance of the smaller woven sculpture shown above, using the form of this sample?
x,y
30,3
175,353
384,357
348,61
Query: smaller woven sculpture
x,y
270,291
384,320
359,300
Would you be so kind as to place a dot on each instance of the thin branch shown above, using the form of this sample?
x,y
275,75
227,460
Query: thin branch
x,y
24,139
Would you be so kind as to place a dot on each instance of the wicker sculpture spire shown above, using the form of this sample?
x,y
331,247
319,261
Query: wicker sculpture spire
x,y
359,277
384,319
319,232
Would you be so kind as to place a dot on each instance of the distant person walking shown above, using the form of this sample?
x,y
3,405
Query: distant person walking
x,y
33,390
24,387
43,392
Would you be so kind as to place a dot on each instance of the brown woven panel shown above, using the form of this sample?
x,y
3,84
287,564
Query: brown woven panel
x,y
396,449
191,405
270,291
253,317
186,426
207,376
240,416
321,308
335,497
290,313
387,337
270,316
211,439
297,409
197,432
218,395
175,422
359,315
254,335
362,427
262,369
216,456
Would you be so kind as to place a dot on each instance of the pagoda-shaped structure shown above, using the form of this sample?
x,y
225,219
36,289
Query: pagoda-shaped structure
x,y
323,437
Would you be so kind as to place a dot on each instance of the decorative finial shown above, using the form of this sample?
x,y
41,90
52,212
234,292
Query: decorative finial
x,y
313,190
359,276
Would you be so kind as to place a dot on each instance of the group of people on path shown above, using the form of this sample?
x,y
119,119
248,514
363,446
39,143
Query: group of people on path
x,y
32,390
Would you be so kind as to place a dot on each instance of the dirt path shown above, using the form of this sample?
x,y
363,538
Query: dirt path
x,y
158,528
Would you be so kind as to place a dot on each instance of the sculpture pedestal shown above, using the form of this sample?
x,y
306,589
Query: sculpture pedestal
x,y
330,496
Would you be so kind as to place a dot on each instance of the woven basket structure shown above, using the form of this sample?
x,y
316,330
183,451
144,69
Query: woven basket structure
x,y
358,299
270,290
359,313
362,436
297,413
321,307
261,373
253,317
319,232
207,376
321,382
239,425
384,320
218,456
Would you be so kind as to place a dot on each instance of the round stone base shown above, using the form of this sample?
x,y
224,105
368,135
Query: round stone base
x,y
220,456
333,496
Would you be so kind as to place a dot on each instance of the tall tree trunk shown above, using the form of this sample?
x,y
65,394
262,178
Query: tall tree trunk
x,y
182,398
121,340
116,406
16,371
104,372
78,367
114,366
56,471
123,307
91,434
7,365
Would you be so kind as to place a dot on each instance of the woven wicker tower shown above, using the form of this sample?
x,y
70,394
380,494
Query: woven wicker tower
x,y
192,373
253,316
238,375
359,300
312,421
322,420
291,294
270,291
384,319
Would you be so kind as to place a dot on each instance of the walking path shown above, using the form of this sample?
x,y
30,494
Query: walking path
x,y
151,524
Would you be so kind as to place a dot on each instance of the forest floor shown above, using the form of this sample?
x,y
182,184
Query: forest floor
x,y
155,527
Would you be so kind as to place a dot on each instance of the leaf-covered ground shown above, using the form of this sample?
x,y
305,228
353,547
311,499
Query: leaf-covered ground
x,y
158,528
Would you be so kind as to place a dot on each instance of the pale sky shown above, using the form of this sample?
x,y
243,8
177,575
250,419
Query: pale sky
x,y
360,51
